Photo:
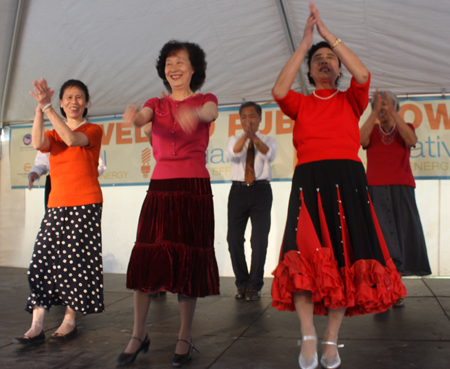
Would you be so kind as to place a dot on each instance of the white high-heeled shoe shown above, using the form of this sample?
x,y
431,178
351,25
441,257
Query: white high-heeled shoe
x,y
331,362
308,362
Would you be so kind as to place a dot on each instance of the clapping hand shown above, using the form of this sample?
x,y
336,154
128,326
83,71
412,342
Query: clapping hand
x,y
129,116
188,118
390,106
376,107
323,31
309,30
251,134
43,94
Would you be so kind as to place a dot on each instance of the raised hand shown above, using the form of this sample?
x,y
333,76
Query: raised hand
x,y
43,94
390,106
250,132
377,102
131,112
309,30
323,31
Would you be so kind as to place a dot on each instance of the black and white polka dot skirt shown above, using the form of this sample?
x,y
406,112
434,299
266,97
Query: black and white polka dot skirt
x,y
66,266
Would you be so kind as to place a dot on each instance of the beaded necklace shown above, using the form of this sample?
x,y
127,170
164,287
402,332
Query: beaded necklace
x,y
387,137
325,98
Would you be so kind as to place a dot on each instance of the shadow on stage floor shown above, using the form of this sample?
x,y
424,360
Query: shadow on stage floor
x,y
229,333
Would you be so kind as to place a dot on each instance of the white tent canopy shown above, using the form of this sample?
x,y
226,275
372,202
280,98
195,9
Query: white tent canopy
x,y
112,46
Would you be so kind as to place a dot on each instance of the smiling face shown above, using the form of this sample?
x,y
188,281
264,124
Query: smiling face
x,y
250,117
325,67
178,70
73,102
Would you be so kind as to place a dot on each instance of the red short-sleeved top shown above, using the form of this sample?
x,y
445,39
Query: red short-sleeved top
x,y
388,164
326,128
74,170
177,154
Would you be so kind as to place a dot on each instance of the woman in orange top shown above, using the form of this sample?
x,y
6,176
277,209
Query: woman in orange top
x,y
66,266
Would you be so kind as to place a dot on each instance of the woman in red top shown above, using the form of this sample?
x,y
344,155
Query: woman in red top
x,y
333,258
174,249
66,266
391,185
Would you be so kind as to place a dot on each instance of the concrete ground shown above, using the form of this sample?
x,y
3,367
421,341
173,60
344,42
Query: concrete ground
x,y
229,333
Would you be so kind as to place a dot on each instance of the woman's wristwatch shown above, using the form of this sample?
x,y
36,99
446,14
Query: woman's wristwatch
x,y
337,42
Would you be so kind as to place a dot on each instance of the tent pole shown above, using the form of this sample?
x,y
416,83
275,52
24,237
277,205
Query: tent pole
x,y
288,33
12,53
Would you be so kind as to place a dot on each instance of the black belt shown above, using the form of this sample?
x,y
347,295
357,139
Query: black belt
x,y
239,183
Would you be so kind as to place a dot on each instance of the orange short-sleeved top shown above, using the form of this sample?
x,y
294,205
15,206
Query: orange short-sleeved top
x,y
74,170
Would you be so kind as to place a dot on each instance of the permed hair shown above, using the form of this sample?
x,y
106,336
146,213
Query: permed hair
x,y
197,57
312,50
74,83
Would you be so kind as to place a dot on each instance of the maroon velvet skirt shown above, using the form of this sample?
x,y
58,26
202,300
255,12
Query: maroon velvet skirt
x,y
174,249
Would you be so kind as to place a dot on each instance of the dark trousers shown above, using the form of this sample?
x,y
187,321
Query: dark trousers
x,y
254,202
48,188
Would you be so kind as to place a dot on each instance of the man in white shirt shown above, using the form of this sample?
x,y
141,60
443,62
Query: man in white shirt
x,y
251,154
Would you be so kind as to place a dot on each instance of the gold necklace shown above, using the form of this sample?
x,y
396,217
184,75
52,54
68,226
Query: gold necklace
x,y
182,98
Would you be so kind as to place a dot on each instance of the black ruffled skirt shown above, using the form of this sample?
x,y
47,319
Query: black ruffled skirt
x,y
333,245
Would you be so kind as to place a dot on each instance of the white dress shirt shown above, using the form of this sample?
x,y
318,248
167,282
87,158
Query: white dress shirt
x,y
262,162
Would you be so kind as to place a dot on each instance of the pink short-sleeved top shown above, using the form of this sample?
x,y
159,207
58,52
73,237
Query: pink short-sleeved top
x,y
177,154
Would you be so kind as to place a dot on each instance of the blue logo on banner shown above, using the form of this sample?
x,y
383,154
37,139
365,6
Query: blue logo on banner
x,y
27,139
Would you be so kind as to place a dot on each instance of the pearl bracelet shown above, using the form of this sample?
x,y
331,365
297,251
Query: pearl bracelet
x,y
46,106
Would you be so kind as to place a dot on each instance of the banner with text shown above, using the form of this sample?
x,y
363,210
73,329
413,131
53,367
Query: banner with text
x,y
129,156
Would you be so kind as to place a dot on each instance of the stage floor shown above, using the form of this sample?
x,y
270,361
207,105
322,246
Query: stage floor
x,y
229,333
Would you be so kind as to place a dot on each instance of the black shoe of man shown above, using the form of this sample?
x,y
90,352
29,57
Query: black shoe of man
x,y
241,293
252,295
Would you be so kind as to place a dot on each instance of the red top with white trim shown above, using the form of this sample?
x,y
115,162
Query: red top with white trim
x,y
326,122
388,164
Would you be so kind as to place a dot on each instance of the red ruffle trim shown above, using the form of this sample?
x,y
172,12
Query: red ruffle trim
x,y
366,287
171,267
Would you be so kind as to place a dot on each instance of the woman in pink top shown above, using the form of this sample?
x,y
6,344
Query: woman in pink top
x,y
391,185
174,249
333,259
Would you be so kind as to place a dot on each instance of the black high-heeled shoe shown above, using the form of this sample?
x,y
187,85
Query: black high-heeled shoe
x,y
180,360
125,359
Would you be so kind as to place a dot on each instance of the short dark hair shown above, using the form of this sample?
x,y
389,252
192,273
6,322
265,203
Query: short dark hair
x,y
309,56
74,83
251,103
197,57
